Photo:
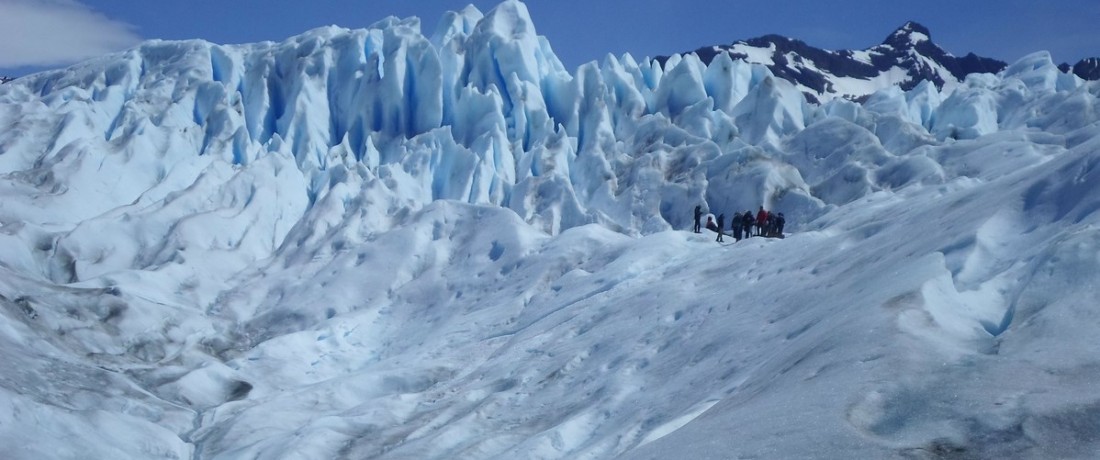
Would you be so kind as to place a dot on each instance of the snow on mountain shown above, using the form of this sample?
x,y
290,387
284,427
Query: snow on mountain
x,y
376,243
907,57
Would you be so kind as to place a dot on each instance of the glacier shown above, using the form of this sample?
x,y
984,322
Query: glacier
x,y
381,243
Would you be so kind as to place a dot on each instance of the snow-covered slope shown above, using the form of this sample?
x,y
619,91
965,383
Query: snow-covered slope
x,y
377,243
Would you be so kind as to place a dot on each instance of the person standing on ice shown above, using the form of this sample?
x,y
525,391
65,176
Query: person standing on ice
x,y
735,226
746,222
779,222
721,226
761,221
698,215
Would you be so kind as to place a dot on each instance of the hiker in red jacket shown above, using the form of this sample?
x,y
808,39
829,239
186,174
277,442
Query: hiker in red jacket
x,y
761,221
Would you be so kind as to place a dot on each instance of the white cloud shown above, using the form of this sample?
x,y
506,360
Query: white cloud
x,y
56,32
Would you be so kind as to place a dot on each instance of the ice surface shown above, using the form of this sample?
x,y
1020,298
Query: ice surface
x,y
374,243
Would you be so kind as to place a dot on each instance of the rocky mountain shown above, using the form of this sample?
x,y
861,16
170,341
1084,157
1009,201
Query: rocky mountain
x,y
1088,69
906,57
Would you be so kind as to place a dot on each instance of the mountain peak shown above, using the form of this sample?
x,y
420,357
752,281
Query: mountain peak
x,y
902,59
914,26
908,35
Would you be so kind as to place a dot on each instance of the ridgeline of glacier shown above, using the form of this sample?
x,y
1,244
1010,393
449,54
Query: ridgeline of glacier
x,y
398,243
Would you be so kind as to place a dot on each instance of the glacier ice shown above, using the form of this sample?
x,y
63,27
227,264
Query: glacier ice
x,y
380,243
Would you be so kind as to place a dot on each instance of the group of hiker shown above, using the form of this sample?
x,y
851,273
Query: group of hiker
x,y
765,223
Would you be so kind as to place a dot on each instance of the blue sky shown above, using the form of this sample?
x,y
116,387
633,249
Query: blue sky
x,y
52,33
